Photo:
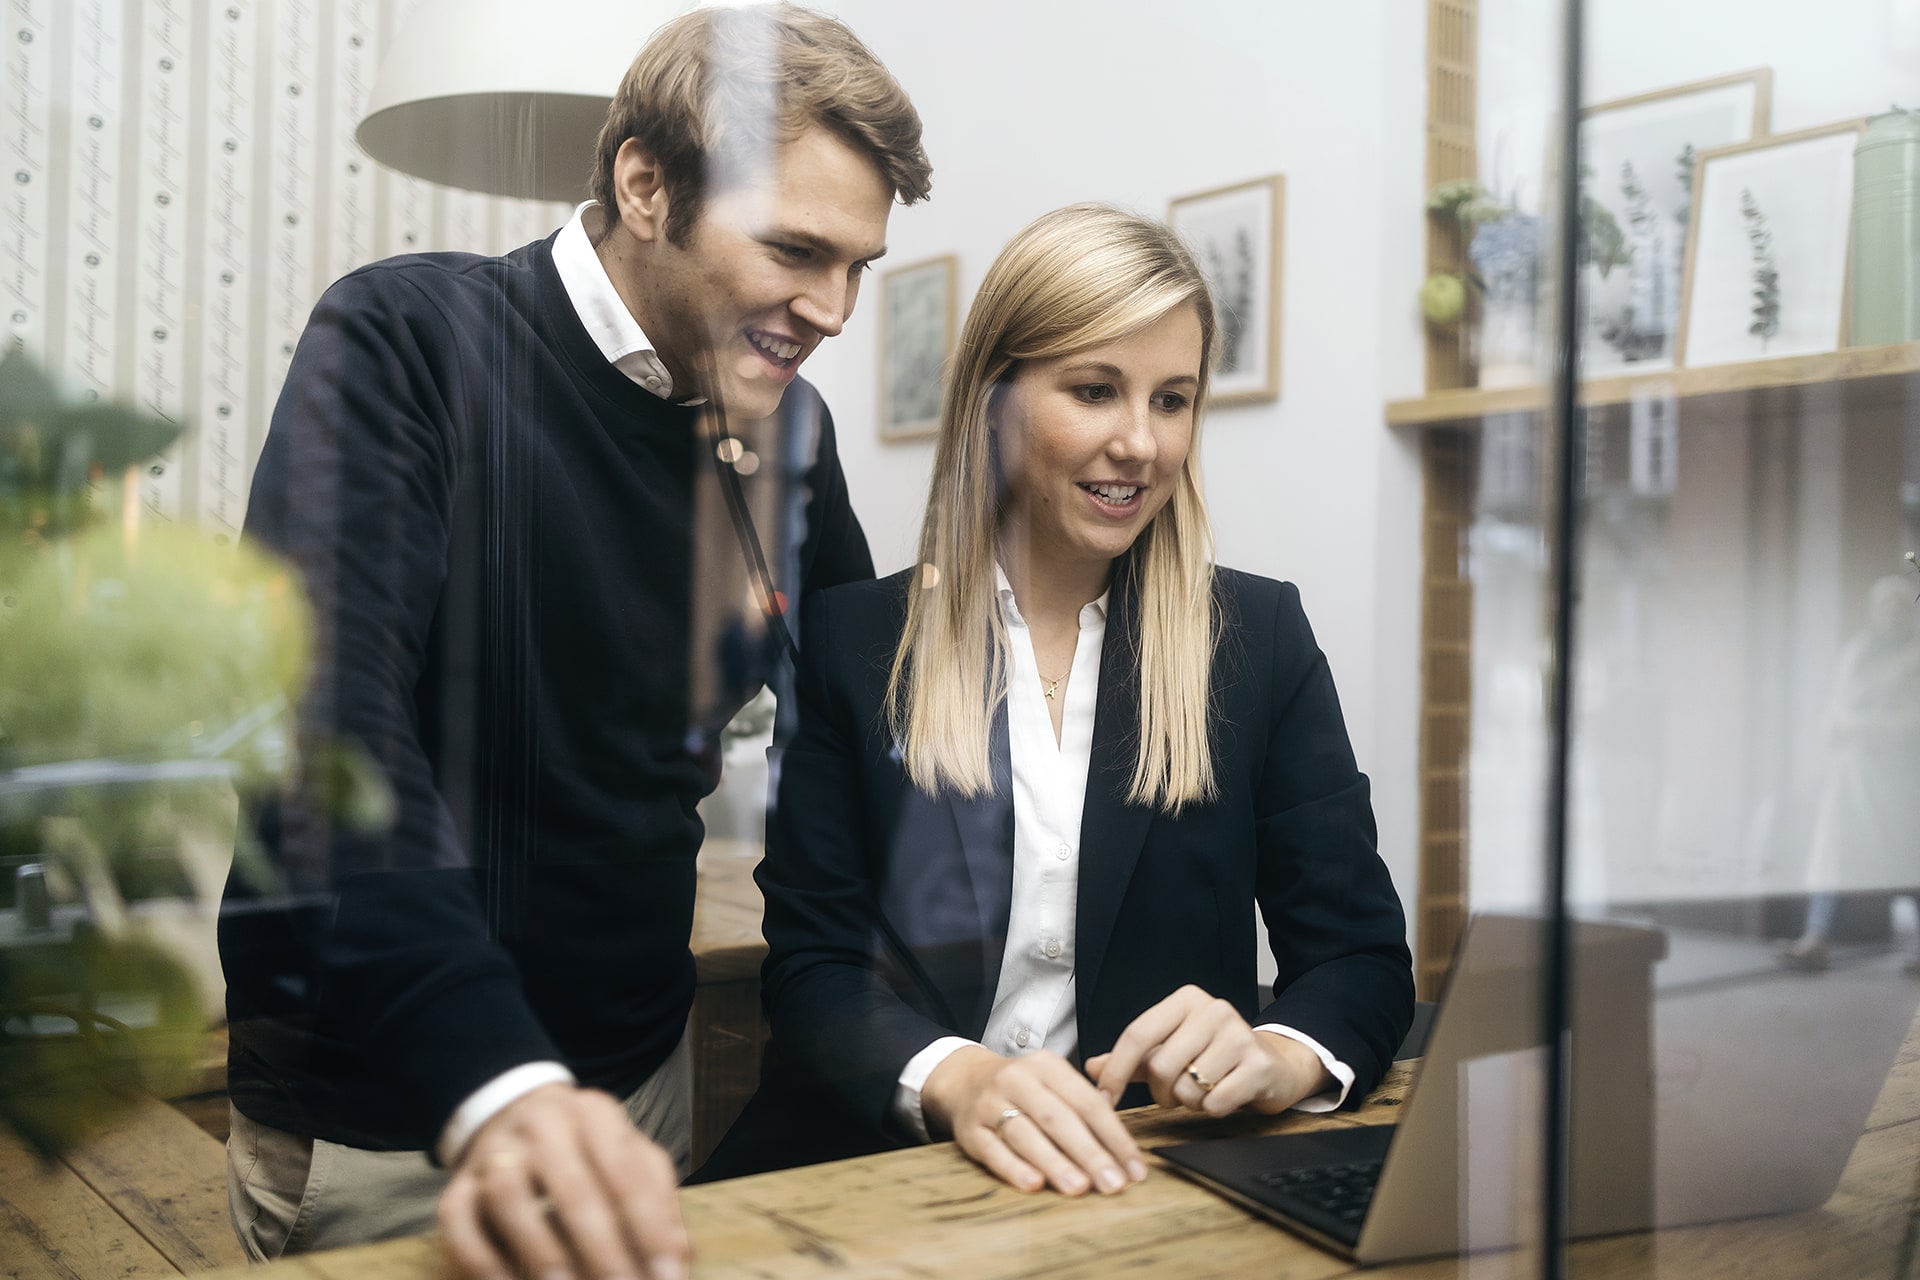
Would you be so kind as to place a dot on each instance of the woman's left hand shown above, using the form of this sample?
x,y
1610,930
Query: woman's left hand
x,y
1196,1051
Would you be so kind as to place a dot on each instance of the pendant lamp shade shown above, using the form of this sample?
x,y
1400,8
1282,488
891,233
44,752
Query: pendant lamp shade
x,y
504,97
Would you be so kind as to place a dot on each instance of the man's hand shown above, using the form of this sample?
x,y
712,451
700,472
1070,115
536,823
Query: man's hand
x,y
560,1184
1032,1121
1196,1051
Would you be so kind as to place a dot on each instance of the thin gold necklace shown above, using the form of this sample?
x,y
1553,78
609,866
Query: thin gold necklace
x,y
1052,682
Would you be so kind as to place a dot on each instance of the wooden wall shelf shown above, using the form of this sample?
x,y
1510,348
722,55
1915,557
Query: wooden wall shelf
x,y
1857,378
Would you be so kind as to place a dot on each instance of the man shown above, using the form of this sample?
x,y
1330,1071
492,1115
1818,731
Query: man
x,y
490,472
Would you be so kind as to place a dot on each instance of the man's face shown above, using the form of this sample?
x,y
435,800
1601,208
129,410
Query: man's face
x,y
771,268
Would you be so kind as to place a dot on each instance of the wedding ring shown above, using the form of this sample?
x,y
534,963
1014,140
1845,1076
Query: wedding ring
x,y
1193,1074
1009,1114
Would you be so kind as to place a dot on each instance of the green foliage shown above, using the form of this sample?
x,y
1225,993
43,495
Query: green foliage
x,y
1461,204
350,786
1683,166
1465,202
1639,203
1766,273
51,452
145,678
1602,244
143,647
88,1026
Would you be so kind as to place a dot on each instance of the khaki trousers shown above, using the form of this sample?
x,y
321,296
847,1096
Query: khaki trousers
x,y
290,1194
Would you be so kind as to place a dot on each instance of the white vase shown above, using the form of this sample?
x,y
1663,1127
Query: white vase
x,y
1506,256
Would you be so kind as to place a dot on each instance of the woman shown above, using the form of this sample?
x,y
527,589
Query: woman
x,y
1040,781
1866,821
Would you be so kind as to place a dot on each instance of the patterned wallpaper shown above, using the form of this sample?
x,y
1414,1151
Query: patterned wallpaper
x,y
182,184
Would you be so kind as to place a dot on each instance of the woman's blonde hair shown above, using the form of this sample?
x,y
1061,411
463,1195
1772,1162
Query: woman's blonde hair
x,y
1075,278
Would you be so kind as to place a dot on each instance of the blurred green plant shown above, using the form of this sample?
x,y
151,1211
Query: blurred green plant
x,y
51,451
145,675
1459,205
1601,244
1766,270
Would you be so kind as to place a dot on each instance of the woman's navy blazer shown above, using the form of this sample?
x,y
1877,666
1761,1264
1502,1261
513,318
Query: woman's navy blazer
x,y
887,908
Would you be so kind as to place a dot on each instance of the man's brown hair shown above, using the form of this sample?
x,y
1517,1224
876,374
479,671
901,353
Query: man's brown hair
x,y
718,84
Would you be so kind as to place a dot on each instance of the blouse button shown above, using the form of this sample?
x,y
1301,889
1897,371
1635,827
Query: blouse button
x,y
1021,1038
1064,851
1053,948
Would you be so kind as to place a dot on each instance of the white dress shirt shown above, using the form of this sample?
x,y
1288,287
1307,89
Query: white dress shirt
x,y
1033,1005
620,339
598,303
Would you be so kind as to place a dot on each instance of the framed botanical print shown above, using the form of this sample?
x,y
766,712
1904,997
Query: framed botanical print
x,y
917,323
1636,199
1767,274
1236,234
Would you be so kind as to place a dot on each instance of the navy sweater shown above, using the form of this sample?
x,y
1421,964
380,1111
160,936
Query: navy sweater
x,y
497,529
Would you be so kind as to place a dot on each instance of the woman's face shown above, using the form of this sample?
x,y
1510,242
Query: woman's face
x,y
1093,441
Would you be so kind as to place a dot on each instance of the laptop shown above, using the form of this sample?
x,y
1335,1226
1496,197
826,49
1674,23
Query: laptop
x,y
1729,1089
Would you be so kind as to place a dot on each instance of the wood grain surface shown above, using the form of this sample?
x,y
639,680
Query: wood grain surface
x,y
168,1179
53,1226
1850,379
928,1214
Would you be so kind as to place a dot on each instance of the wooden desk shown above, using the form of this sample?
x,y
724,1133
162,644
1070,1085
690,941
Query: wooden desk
x,y
146,1196
929,1213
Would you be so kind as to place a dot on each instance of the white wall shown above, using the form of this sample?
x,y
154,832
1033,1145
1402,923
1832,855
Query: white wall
x,y
1031,106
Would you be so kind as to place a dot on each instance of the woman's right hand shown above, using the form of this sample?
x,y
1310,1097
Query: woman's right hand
x,y
1033,1121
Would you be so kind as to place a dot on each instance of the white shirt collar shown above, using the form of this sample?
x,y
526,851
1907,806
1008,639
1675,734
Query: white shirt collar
x,y
1008,603
600,308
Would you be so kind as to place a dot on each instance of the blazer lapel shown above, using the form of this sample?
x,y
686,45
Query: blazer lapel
x,y
984,825
1111,830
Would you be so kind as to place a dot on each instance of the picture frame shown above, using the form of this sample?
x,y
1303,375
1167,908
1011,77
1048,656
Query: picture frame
x,y
918,323
1638,159
1766,273
1237,235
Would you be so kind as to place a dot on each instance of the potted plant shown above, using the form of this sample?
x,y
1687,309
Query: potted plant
x,y
145,673
1450,300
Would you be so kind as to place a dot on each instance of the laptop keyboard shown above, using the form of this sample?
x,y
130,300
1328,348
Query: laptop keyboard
x,y
1341,1191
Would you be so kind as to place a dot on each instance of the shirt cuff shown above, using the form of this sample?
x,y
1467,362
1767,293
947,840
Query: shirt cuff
x,y
913,1078
489,1100
1327,1100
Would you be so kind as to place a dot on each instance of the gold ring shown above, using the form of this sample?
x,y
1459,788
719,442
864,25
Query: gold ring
x,y
1011,1113
1206,1085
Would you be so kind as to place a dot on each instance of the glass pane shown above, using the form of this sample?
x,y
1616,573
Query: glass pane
x,y
1744,793
1490,450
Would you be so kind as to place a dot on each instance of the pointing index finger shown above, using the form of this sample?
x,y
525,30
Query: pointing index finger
x,y
1122,1066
